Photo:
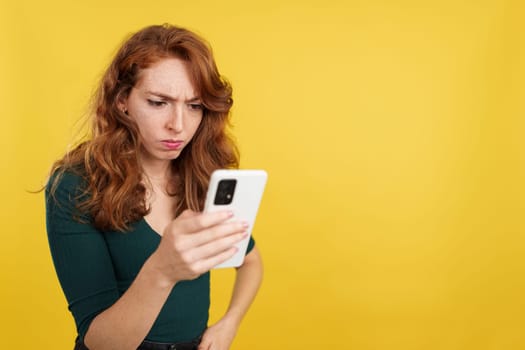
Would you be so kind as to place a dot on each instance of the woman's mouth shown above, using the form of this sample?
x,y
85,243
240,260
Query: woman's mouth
x,y
172,144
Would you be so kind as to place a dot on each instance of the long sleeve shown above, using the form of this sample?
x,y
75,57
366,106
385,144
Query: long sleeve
x,y
80,255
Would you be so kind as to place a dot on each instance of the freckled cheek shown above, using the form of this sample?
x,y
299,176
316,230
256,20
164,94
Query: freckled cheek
x,y
147,130
194,128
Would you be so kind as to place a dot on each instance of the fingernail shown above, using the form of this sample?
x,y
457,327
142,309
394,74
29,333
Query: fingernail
x,y
245,224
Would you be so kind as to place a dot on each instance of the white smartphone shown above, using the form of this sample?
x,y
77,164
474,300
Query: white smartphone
x,y
241,192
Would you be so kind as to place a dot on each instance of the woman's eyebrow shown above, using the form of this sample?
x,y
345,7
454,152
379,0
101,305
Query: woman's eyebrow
x,y
170,98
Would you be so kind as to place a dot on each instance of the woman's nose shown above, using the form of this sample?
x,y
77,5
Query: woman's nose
x,y
176,120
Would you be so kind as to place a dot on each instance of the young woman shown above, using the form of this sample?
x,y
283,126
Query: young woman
x,y
131,247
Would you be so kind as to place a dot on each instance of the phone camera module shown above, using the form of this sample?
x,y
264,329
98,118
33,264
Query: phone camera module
x,y
225,191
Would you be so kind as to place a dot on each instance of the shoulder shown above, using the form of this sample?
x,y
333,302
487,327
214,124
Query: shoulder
x,y
65,192
66,185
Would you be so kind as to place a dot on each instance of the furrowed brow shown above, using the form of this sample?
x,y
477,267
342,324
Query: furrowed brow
x,y
170,98
161,95
194,99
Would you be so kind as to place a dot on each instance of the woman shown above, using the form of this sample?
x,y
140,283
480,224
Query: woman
x,y
130,245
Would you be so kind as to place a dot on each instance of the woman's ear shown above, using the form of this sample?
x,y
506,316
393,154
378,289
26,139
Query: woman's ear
x,y
121,105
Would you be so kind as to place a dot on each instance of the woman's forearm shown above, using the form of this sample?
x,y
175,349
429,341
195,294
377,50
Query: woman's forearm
x,y
247,283
126,323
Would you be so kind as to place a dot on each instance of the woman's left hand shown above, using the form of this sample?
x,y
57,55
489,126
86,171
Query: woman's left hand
x,y
219,336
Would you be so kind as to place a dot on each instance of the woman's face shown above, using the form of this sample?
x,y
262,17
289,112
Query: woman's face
x,y
166,108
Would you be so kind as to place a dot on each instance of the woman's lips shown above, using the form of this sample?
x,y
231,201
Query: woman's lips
x,y
172,144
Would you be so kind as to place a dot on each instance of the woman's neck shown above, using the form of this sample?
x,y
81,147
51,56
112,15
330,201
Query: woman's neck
x,y
156,171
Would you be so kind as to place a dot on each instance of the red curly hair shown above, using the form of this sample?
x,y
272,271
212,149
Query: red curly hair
x,y
108,161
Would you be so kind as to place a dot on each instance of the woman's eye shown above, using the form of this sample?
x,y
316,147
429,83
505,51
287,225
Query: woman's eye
x,y
196,106
156,103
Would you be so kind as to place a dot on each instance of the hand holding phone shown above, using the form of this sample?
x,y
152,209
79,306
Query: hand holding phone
x,y
239,191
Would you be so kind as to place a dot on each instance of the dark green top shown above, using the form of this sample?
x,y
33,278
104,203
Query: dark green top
x,y
95,268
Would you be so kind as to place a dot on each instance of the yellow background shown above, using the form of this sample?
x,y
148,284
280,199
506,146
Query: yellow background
x,y
392,132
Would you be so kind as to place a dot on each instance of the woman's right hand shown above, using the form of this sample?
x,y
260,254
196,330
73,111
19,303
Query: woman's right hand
x,y
194,243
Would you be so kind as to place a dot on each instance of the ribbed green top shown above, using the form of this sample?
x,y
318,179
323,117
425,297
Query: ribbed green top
x,y
95,268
